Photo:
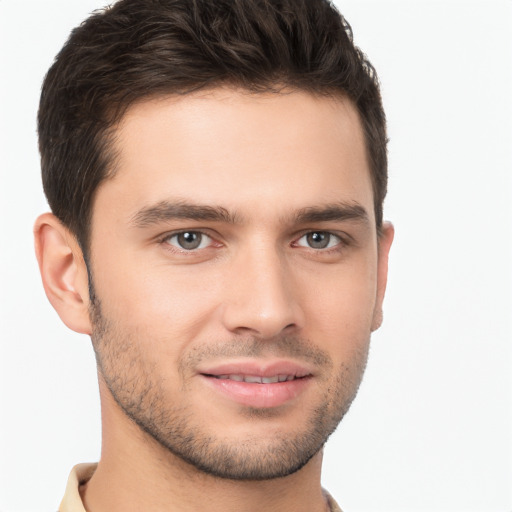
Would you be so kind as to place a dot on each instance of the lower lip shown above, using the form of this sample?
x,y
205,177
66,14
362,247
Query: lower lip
x,y
259,395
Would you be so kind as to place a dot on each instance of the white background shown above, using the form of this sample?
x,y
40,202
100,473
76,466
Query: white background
x,y
431,429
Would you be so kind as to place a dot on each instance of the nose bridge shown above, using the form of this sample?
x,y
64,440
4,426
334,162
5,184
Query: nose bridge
x,y
261,298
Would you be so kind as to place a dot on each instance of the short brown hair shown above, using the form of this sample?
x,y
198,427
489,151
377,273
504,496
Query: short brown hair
x,y
141,48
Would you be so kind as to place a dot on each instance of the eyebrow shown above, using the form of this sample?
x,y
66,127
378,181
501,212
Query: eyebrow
x,y
167,210
332,212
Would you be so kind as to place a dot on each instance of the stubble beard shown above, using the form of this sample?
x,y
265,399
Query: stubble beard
x,y
139,392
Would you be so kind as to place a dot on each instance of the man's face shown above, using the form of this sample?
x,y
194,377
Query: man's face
x,y
235,261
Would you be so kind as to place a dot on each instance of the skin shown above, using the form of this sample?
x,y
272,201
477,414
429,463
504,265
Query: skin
x,y
259,288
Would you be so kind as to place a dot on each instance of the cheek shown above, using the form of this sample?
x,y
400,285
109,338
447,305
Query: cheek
x,y
168,302
339,307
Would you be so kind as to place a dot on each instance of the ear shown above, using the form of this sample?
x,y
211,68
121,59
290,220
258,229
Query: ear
x,y
63,272
384,245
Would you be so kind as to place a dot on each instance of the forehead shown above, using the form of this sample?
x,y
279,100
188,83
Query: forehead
x,y
251,153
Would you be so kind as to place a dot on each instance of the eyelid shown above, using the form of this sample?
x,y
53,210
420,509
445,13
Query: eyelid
x,y
343,239
163,240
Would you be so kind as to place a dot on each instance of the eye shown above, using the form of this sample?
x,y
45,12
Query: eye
x,y
319,240
189,240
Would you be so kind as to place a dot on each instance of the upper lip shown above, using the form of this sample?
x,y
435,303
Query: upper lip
x,y
257,368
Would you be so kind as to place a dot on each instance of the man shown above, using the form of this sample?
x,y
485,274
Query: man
x,y
216,172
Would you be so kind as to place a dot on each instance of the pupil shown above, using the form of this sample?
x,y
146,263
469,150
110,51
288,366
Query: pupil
x,y
318,240
189,240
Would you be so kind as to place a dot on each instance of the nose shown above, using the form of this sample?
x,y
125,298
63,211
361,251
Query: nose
x,y
261,298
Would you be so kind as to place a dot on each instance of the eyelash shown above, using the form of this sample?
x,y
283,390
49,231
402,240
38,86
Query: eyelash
x,y
330,236
164,241
343,241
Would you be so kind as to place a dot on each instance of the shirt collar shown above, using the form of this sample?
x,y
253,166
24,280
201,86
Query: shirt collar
x,y
72,502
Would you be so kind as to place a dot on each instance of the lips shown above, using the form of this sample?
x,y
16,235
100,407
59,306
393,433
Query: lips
x,y
258,385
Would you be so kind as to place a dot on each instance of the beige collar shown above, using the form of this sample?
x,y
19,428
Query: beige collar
x,y
80,474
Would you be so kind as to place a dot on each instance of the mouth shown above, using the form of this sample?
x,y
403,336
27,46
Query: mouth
x,y
256,379
258,385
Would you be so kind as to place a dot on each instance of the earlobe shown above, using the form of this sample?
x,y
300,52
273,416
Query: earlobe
x,y
385,240
63,272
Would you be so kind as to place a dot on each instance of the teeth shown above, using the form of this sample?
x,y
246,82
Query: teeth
x,y
252,378
255,379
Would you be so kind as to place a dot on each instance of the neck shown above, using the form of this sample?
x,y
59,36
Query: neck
x,y
136,473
